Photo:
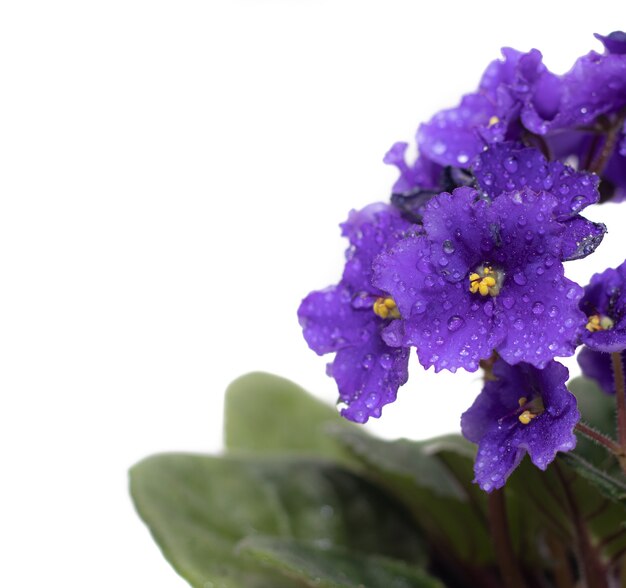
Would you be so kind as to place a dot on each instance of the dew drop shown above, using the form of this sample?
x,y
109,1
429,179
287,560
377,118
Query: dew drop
x,y
385,361
510,164
577,203
439,148
455,323
372,400
448,246
518,324
519,278
538,308
368,361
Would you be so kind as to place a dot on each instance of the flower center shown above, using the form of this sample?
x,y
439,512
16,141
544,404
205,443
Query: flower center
x,y
486,281
385,307
530,410
599,322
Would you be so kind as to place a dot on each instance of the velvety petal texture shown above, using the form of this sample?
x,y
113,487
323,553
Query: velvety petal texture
x,y
510,166
604,303
341,319
523,410
532,317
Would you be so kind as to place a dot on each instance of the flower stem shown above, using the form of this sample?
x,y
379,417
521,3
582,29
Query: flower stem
x,y
603,440
592,566
507,562
620,398
599,163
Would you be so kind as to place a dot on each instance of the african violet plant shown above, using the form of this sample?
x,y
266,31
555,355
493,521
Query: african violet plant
x,y
465,264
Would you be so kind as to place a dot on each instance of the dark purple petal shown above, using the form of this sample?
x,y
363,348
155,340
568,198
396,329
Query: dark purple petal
x,y
534,316
422,175
401,271
448,327
539,303
615,173
493,420
368,376
369,231
614,42
451,137
509,166
595,85
500,72
598,366
581,238
456,225
605,296
329,321
544,321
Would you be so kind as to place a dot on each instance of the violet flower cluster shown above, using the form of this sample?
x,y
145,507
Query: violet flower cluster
x,y
465,263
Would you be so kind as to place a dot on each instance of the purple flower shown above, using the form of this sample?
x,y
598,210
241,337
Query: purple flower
x,y
486,275
524,410
595,85
598,366
351,317
604,303
518,97
510,166
455,136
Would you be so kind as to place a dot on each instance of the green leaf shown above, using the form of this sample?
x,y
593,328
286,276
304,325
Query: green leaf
x,y
323,567
562,500
198,508
610,487
265,414
433,479
413,460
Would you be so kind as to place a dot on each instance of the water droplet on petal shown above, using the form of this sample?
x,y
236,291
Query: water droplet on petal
x,y
508,302
367,362
519,278
455,323
510,164
385,361
538,308
372,400
448,246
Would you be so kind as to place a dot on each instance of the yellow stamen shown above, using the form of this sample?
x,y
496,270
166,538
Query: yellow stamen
x,y
526,417
486,281
599,322
523,400
386,308
494,120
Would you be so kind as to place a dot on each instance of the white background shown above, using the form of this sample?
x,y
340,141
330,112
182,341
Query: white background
x,y
172,176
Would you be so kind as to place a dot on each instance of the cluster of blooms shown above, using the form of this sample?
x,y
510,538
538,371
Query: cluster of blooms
x,y
465,263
